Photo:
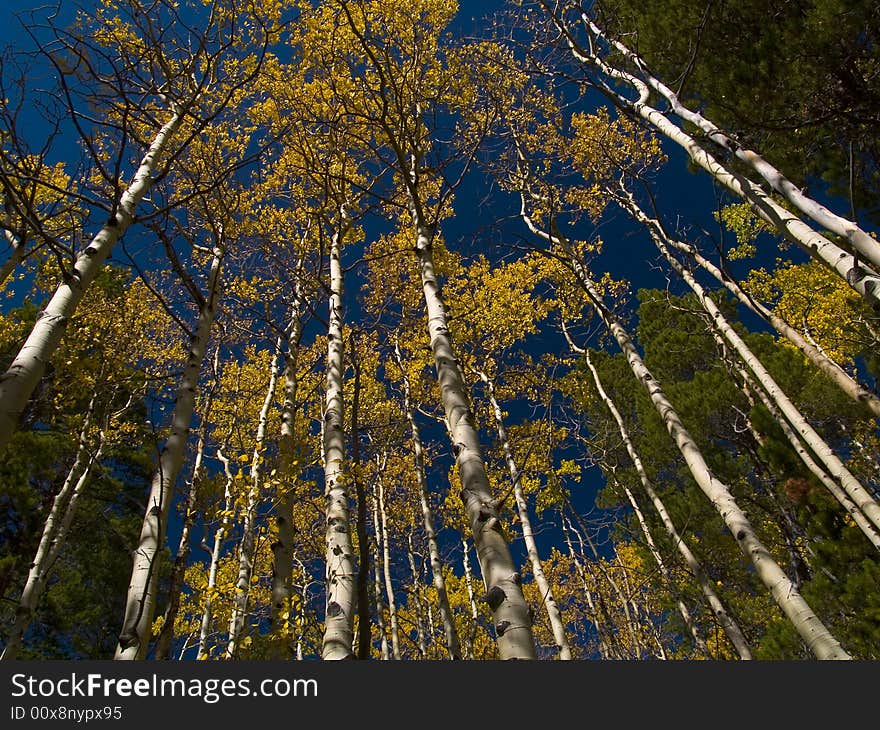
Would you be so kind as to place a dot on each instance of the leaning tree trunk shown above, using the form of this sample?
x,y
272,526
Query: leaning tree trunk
x,y
853,488
247,546
340,572
140,602
16,256
522,510
728,624
513,625
469,583
22,376
811,629
453,644
835,372
860,241
54,535
863,280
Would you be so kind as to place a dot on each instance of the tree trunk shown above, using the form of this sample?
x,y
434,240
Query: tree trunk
x,y
248,544
504,595
54,534
728,624
453,644
809,627
863,280
386,564
522,510
22,376
140,604
340,575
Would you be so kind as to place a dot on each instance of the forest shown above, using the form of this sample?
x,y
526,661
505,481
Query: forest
x,y
436,330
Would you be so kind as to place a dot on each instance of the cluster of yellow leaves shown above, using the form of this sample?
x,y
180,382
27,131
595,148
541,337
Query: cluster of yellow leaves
x,y
814,300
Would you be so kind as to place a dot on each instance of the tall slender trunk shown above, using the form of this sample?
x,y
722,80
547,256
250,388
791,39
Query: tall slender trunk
x,y
140,604
856,492
835,372
219,536
54,533
364,635
513,625
21,377
340,572
808,625
377,591
862,279
469,583
453,645
283,549
247,546
522,510
386,563
419,611
862,242
728,624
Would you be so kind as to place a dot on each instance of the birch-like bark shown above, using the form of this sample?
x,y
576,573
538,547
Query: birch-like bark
x,y
219,537
862,242
730,627
21,377
247,546
836,469
469,584
181,558
386,564
453,645
417,598
16,255
364,636
340,571
811,629
377,591
835,372
513,625
522,510
54,535
283,549
140,603
862,279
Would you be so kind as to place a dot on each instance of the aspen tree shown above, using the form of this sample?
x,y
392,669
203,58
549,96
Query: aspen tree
x,y
861,278
141,598
187,94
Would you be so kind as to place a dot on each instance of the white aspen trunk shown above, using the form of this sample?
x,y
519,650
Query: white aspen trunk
x,y
166,635
284,546
453,644
522,510
16,256
836,491
860,241
247,546
811,629
219,537
140,604
725,620
863,280
814,354
605,650
417,597
513,625
386,568
22,376
377,591
340,575
304,602
53,537
836,469
469,583
699,642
